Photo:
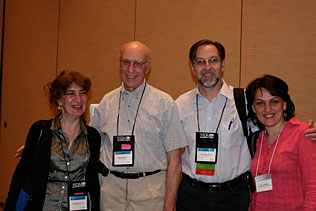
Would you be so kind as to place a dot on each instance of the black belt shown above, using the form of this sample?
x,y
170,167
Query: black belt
x,y
133,175
217,187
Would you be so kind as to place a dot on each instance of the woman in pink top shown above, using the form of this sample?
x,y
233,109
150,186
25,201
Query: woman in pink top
x,y
284,166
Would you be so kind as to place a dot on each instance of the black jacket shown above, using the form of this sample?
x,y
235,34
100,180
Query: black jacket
x,y
37,168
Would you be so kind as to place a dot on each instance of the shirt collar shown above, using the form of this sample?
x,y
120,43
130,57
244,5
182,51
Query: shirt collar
x,y
294,121
138,91
225,91
56,125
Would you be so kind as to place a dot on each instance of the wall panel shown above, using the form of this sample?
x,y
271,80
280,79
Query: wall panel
x,y
29,62
169,28
279,38
43,37
90,36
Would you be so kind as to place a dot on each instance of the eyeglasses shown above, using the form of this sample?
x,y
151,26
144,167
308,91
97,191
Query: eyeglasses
x,y
136,64
202,62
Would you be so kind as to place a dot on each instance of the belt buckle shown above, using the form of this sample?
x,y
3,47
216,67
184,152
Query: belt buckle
x,y
215,187
138,175
122,174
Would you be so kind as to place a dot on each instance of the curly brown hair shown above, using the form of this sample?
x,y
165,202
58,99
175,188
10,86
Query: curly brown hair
x,y
58,87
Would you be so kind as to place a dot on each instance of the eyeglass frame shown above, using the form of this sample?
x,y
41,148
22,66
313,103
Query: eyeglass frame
x,y
133,62
203,64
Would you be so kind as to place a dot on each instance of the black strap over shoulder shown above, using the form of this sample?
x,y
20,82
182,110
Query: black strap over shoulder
x,y
32,177
239,97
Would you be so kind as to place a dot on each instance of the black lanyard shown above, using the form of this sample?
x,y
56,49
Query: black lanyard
x,y
118,113
197,113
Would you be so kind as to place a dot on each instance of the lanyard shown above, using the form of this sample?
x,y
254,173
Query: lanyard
x,y
118,113
197,113
273,150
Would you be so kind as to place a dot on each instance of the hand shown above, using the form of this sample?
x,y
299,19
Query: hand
x,y
19,152
311,132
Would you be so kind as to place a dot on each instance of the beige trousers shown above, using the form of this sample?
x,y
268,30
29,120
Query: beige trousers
x,y
146,193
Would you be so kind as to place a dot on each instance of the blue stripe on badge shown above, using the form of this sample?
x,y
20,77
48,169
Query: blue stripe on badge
x,y
122,152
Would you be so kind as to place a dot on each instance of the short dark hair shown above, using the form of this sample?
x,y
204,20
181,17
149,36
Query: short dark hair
x,y
195,46
58,87
276,87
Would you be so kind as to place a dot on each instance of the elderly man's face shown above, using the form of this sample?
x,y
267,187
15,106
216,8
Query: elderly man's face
x,y
133,66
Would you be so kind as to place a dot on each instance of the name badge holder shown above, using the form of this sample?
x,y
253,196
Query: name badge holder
x,y
206,147
264,181
77,191
78,195
124,145
123,150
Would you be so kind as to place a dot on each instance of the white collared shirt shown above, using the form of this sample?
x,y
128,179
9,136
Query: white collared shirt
x,y
233,157
157,130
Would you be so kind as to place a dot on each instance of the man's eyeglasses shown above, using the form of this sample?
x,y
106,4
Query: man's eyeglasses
x,y
136,64
202,62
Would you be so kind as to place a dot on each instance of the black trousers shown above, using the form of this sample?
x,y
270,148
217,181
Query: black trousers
x,y
192,197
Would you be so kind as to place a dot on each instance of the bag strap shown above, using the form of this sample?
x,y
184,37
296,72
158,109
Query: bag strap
x,y
43,126
253,141
40,134
31,178
239,97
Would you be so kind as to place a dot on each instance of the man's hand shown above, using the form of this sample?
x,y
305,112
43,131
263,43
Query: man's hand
x,y
19,152
311,132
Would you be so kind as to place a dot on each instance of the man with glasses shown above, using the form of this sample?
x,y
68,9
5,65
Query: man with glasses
x,y
142,136
216,162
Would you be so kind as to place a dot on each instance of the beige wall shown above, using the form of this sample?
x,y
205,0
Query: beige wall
x,y
29,61
171,27
43,37
279,38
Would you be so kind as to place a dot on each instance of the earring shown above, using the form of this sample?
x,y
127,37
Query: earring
x,y
255,121
284,115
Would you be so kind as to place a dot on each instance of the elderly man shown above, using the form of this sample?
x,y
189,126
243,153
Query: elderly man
x,y
217,161
142,137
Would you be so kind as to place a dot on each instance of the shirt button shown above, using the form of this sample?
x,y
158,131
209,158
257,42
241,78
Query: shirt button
x,y
63,187
68,163
129,106
127,120
66,177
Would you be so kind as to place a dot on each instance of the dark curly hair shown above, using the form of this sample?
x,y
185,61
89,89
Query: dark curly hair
x,y
58,87
276,87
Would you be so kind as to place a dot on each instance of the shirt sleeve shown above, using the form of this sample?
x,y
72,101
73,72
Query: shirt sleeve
x,y
174,137
97,119
307,162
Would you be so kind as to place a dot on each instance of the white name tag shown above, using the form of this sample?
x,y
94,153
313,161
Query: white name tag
x,y
123,157
206,154
78,203
263,183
